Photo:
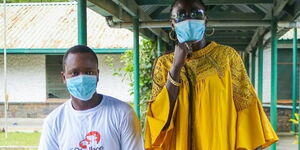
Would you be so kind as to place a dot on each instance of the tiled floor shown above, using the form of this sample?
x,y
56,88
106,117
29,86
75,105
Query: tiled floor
x,y
286,143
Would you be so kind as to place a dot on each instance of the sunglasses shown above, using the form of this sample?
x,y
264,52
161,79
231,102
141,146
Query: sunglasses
x,y
194,14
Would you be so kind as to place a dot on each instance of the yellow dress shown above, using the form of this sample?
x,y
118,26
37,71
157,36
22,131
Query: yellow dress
x,y
218,101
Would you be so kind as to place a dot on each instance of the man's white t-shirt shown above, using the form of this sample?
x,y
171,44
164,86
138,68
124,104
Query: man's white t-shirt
x,y
111,125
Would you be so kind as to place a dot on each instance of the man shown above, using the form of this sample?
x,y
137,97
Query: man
x,y
89,121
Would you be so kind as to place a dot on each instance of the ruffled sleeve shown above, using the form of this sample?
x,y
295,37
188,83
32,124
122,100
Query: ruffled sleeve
x,y
253,127
158,111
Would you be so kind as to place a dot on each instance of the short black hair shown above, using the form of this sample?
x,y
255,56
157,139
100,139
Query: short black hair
x,y
175,1
79,49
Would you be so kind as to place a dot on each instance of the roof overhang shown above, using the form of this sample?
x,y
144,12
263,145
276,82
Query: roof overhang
x,y
248,20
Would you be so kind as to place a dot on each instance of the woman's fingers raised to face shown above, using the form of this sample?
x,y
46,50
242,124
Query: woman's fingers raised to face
x,y
180,55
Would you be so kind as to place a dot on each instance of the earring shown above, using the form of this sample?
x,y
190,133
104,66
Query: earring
x,y
210,34
171,35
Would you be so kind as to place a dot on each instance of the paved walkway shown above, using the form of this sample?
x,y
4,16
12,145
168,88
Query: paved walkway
x,y
22,124
35,124
286,143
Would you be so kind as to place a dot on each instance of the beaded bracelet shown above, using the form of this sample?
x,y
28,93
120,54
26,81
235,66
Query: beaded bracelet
x,y
173,81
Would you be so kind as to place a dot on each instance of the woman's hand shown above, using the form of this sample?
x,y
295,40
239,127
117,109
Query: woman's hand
x,y
180,56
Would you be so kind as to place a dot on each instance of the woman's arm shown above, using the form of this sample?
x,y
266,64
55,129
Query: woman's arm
x,y
180,56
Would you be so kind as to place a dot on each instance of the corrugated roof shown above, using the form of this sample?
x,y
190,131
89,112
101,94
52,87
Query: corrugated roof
x,y
54,25
290,35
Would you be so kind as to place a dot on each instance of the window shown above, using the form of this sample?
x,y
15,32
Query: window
x,y
285,73
56,89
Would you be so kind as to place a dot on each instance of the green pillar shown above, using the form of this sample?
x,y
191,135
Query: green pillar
x,y
253,66
136,66
274,52
81,21
294,78
159,46
246,62
260,70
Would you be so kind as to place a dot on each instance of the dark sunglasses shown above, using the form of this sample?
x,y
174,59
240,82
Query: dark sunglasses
x,y
194,14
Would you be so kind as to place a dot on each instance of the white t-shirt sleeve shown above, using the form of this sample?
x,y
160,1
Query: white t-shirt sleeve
x,y
131,138
48,141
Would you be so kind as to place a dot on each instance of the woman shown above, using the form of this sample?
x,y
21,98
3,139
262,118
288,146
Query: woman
x,y
202,96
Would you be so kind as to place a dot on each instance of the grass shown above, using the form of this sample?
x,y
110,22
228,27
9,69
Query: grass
x,y
20,139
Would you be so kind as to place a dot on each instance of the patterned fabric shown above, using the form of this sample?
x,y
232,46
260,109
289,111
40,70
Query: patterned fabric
x,y
216,107
213,59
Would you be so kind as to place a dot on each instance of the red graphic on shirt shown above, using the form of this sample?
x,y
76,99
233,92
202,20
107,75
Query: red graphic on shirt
x,y
91,137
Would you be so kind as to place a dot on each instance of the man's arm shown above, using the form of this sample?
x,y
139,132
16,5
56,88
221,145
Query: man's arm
x,y
131,138
48,140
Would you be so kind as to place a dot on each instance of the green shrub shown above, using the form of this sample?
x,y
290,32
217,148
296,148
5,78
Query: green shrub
x,y
147,56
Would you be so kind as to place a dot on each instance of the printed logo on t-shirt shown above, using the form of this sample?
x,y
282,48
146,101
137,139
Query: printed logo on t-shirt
x,y
90,142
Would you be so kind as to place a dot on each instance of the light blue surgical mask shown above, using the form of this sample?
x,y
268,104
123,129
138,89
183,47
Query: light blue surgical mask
x,y
190,30
82,87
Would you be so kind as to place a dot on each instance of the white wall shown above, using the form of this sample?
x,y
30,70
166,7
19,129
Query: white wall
x,y
256,71
26,78
267,76
112,85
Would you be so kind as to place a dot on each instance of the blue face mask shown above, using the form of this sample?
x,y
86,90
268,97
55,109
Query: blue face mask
x,y
82,87
190,30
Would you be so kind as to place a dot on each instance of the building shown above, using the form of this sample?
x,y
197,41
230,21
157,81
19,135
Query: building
x,y
38,35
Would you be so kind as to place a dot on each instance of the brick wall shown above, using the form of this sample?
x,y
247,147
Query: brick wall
x,y
283,116
41,110
28,110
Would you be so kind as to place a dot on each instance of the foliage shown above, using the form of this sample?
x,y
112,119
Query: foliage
x,y
296,122
146,59
20,139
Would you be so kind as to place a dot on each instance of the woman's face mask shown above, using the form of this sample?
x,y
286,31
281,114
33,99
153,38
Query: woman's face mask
x,y
190,30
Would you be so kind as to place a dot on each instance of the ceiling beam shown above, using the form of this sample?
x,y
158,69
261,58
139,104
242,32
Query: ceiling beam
x,y
238,48
224,39
206,2
127,6
157,12
219,24
279,5
255,38
257,10
279,12
234,16
108,8
244,43
232,34
260,33
297,9
133,9
219,16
